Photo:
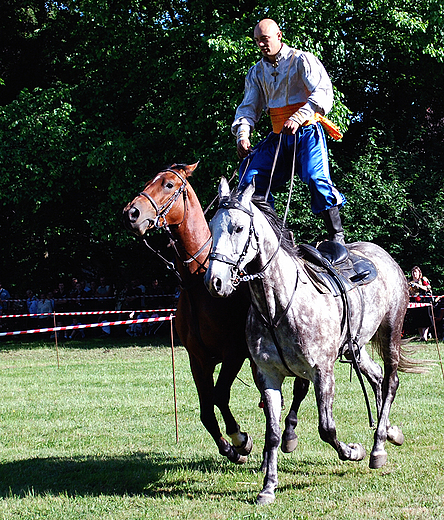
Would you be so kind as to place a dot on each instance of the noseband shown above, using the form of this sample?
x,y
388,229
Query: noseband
x,y
162,211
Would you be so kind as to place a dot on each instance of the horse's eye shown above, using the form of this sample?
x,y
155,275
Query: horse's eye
x,y
169,185
239,229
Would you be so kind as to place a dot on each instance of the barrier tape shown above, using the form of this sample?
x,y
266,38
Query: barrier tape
x,y
82,313
88,326
416,305
77,298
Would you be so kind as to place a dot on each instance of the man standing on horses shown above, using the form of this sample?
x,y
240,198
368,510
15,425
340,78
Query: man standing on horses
x,y
294,88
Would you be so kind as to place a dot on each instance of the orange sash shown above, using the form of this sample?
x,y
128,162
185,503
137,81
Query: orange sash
x,y
280,114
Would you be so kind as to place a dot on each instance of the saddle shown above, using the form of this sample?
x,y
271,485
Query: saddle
x,y
333,268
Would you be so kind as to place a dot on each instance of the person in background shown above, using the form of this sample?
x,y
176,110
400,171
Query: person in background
x,y
76,333
44,307
4,297
420,291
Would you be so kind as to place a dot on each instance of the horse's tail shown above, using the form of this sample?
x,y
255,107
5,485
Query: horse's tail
x,y
406,350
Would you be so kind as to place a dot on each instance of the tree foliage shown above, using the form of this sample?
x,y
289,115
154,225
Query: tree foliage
x,y
96,96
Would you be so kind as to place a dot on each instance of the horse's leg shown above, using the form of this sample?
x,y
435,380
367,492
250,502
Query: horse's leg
x,y
203,378
374,375
289,437
324,384
378,455
271,395
242,441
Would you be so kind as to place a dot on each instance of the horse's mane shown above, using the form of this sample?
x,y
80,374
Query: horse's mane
x,y
277,225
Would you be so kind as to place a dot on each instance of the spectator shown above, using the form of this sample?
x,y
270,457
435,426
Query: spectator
x,y
45,306
31,302
104,291
4,297
133,296
420,290
76,333
77,297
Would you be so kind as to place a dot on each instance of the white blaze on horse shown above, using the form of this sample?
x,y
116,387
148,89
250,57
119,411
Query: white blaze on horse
x,y
295,330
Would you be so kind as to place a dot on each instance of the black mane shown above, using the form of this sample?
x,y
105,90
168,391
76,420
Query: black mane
x,y
277,225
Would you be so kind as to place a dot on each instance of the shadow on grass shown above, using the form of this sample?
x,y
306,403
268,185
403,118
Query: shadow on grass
x,y
144,474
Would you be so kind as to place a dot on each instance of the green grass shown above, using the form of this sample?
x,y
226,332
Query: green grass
x,y
95,439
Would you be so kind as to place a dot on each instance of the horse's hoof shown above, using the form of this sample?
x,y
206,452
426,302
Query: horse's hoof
x,y
358,451
242,459
264,498
395,436
377,460
289,445
246,447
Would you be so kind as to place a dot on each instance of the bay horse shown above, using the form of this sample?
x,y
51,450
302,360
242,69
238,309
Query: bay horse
x,y
212,331
295,330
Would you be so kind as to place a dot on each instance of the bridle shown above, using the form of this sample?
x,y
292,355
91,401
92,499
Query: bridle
x,y
160,222
226,203
164,209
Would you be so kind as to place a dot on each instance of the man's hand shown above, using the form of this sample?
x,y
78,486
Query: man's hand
x,y
290,127
243,148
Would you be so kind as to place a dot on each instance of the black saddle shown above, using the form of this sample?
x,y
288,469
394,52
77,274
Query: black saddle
x,y
334,268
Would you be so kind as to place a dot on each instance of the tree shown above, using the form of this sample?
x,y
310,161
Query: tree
x,y
114,90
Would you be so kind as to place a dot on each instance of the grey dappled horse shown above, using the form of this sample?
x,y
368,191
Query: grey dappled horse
x,y
295,330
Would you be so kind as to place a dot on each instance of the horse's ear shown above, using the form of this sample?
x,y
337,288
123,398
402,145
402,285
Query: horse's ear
x,y
189,169
224,188
246,193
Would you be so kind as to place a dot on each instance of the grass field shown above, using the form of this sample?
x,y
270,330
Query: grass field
x,y
95,439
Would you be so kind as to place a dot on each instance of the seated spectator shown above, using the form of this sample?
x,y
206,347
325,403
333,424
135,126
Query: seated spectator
x,y
138,329
76,333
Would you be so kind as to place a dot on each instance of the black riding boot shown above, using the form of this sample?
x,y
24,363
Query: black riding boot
x,y
333,224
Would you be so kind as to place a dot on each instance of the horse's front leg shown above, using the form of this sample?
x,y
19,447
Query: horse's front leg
x,y
324,384
203,378
242,441
289,437
272,397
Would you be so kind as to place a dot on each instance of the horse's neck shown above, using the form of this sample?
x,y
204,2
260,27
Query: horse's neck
x,y
279,268
192,234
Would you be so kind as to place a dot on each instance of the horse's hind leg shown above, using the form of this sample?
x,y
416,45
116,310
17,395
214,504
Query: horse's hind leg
x,y
289,437
374,375
378,455
324,388
242,441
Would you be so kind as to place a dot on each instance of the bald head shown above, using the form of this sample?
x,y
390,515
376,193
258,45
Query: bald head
x,y
268,38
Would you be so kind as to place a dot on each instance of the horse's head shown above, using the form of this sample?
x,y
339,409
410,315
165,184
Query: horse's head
x,y
234,243
157,202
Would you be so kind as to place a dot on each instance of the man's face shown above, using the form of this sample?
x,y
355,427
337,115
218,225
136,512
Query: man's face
x,y
268,39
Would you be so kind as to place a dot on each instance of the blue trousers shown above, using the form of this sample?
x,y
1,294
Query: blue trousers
x,y
311,166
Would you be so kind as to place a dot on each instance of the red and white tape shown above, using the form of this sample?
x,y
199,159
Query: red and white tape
x,y
88,326
83,313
